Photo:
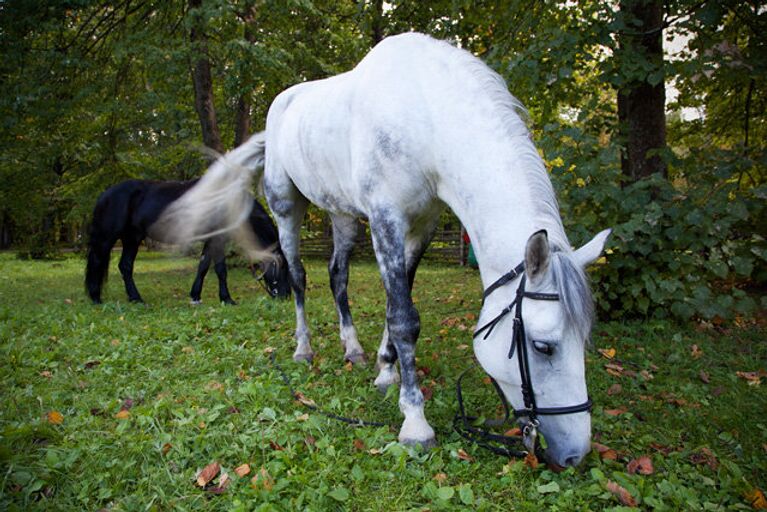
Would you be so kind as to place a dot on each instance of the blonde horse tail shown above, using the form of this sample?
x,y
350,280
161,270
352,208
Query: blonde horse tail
x,y
220,201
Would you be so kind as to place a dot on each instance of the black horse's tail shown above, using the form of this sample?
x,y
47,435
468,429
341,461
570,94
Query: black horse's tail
x,y
107,215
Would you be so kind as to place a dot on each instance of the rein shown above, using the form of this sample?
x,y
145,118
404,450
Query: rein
x,y
483,437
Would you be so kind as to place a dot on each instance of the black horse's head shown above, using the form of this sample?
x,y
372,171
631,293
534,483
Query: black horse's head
x,y
274,276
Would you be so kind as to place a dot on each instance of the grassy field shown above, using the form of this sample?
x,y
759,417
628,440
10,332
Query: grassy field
x,y
117,407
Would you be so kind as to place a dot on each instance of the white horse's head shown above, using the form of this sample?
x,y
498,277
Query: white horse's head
x,y
556,330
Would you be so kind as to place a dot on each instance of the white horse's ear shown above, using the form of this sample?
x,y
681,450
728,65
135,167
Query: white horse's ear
x,y
589,253
537,255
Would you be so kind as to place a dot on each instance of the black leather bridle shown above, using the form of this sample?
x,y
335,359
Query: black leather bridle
x,y
518,341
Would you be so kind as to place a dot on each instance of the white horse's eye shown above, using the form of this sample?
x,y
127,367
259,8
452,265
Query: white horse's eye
x,y
544,347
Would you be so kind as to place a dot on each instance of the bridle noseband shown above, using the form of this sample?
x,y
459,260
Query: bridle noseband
x,y
519,339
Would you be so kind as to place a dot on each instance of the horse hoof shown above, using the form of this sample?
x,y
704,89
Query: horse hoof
x,y
356,358
195,302
229,302
425,444
303,358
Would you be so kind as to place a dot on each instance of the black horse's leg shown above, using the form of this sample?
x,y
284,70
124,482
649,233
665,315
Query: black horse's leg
x,y
415,245
403,323
97,265
130,249
218,253
344,233
202,271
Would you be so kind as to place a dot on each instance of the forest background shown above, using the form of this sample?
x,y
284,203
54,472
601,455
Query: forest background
x,y
650,116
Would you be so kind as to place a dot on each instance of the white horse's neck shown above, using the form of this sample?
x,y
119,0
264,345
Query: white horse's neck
x,y
512,200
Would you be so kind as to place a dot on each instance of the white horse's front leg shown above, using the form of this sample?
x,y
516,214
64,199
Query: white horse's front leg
x,y
403,324
386,363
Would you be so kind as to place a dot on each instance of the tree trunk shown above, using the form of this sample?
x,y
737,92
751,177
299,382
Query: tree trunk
x,y
642,101
242,121
203,83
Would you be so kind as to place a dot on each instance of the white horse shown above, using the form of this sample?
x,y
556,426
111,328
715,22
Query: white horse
x,y
419,124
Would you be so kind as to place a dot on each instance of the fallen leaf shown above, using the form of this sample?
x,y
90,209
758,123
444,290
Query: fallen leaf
x,y
440,478
127,404
187,350
605,452
695,352
427,392
268,350
306,401
166,448
615,412
513,432
753,378
242,470
646,375
665,450
622,494
214,386
705,456
124,414
115,342
262,479
92,364
615,389
348,366
46,374
615,370
275,446
374,451
303,417
68,301
55,417
310,441
757,500
464,456
608,353
642,465
531,461
359,444
208,473
487,380
462,346
704,377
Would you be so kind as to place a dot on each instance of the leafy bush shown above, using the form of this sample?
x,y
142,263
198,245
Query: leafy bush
x,y
683,247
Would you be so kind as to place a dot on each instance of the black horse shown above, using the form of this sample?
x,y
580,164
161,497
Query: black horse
x,y
127,212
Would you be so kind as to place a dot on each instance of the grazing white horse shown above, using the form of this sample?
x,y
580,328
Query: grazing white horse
x,y
417,125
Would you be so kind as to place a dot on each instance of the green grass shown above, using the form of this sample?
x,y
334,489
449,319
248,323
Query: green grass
x,y
202,388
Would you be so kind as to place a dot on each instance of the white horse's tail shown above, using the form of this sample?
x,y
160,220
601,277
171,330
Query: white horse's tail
x,y
220,201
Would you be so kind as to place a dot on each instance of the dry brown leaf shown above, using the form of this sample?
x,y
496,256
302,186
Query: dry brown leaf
x,y
214,386
275,446
695,352
359,444
374,451
427,392
531,461
92,364
614,389
208,473
615,370
268,350
262,479
622,494
487,380
310,440
513,432
303,417
646,375
187,350
605,452
304,400
464,456
757,500
607,353
223,483
124,414
642,465
46,374
704,377
440,478
462,346
55,417
166,448
753,378
705,456
242,470
115,342
616,412
348,366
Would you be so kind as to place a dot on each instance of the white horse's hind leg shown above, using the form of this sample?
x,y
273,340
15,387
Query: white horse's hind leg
x,y
344,232
289,207
403,323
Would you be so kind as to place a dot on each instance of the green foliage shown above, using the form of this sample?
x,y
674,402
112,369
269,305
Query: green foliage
x,y
202,389
679,248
